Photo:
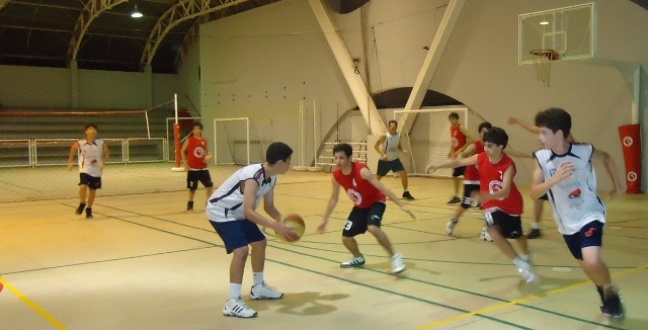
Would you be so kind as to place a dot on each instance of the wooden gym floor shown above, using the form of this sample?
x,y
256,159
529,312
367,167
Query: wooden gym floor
x,y
145,263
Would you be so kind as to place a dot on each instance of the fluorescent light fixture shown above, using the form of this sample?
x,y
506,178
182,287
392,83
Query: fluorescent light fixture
x,y
544,23
136,13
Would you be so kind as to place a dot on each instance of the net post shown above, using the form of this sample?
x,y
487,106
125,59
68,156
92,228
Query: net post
x,y
176,137
148,127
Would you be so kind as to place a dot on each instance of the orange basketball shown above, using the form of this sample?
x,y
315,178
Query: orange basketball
x,y
295,222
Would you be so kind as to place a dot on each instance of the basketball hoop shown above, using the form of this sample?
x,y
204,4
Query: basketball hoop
x,y
542,61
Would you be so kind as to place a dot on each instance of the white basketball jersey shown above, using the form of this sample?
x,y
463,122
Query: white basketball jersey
x,y
90,157
391,146
574,200
226,203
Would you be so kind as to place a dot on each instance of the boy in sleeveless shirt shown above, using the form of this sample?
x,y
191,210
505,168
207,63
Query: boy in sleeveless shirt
x,y
500,198
93,155
459,140
369,197
389,159
564,171
197,155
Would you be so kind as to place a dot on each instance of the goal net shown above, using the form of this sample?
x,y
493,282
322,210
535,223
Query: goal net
x,y
429,138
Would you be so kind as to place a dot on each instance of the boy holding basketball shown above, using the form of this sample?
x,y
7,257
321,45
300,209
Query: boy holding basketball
x,y
500,198
231,210
564,171
93,156
197,155
368,195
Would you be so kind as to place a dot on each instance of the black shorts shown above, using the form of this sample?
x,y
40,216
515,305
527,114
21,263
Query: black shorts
x,y
93,182
201,175
544,197
590,235
360,218
510,225
384,166
458,171
469,191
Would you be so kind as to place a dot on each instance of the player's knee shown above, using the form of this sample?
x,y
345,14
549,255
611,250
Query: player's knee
x,y
515,234
373,229
209,184
241,253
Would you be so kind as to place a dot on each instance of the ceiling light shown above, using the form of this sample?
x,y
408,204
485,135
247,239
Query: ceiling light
x,y
136,13
544,23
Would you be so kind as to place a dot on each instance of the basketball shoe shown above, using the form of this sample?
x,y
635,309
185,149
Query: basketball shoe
x,y
612,306
450,226
238,308
526,271
454,200
89,213
534,233
79,209
190,206
263,291
353,262
397,263
408,196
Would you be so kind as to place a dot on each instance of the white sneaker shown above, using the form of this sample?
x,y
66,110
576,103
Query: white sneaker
x,y
263,291
450,226
527,273
353,262
397,262
485,236
238,308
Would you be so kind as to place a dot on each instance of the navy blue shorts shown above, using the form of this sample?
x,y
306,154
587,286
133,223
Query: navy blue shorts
x,y
590,235
237,234
510,225
360,218
384,166
469,190
93,182
458,171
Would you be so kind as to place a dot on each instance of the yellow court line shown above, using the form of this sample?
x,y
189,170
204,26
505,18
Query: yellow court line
x,y
522,300
51,319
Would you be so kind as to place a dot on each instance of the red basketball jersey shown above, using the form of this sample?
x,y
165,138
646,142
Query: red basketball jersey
x,y
472,173
362,192
196,152
458,137
491,177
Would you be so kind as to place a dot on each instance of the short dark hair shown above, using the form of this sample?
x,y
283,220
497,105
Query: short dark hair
x,y
497,136
278,151
392,121
93,125
485,125
453,115
555,119
197,123
348,150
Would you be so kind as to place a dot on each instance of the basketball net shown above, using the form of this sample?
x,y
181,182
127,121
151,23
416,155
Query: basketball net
x,y
542,61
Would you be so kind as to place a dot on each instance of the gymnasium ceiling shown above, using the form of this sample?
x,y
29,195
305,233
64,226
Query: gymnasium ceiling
x,y
44,32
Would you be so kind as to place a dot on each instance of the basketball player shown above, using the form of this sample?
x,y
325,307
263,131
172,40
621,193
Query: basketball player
x,y
197,155
471,178
459,140
93,156
231,210
368,195
501,200
537,203
389,160
564,171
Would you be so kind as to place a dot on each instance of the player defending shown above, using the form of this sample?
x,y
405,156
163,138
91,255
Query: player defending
x,y
368,195
389,160
459,140
537,203
93,156
231,210
564,170
197,155
501,200
471,178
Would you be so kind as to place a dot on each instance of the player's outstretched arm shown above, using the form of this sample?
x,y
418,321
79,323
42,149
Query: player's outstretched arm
x,y
516,153
517,121
366,174
472,160
611,169
335,192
